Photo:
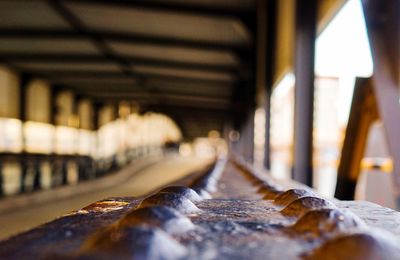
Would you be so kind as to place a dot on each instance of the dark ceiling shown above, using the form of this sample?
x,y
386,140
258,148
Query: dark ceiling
x,y
182,57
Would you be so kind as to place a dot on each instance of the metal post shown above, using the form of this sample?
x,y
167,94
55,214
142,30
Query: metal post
x,y
248,137
96,111
1,179
22,116
363,113
37,175
53,105
81,168
304,90
269,77
383,27
64,171
267,134
24,172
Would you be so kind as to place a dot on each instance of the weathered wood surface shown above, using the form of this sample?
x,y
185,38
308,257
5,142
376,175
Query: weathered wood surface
x,y
236,215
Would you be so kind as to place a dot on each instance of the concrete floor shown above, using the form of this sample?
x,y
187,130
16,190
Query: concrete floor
x,y
141,183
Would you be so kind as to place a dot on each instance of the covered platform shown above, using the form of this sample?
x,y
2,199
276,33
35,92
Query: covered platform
x,y
199,129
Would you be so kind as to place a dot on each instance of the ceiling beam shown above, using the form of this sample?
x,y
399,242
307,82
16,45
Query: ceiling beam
x,y
184,8
169,96
135,90
210,112
94,83
142,77
123,37
175,100
154,62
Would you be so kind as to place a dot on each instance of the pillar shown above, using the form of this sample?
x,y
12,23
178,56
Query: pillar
x,y
306,12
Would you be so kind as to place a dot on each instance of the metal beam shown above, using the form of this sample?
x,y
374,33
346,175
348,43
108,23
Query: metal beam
x,y
383,27
200,89
53,104
22,97
209,112
144,95
96,111
363,113
247,137
122,37
306,13
134,90
133,60
138,76
167,102
182,7
59,7
271,11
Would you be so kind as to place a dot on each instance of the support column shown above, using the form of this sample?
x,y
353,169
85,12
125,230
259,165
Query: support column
x,y
1,180
96,114
37,175
85,112
383,28
363,113
53,105
37,101
248,124
261,70
269,76
116,108
24,172
248,137
38,108
306,12
64,171
9,108
65,108
236,118
267,134
22,116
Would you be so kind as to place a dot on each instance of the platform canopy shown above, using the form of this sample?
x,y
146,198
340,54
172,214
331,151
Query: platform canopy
x,y
176,56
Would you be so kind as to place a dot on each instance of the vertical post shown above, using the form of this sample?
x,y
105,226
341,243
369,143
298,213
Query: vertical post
x,y
245,146
269,75
22,116
55,173
261,67
116,110
96,109
24,172
383,28
363,113
78,159
64,171
236,117
22,97
37,174
304,90
53,105
53,116
248,136
246,94
247,123
1,179
267,134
